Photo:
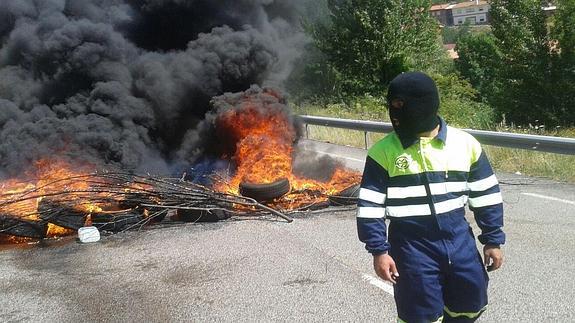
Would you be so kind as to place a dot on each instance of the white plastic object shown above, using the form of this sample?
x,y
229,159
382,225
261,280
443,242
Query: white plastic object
x,y
88,234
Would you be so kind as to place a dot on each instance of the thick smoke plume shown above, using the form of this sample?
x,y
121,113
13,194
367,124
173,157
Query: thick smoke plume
x,y
126,82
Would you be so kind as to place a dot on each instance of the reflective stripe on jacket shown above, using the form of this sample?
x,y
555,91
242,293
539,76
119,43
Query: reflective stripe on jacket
x,y
427,183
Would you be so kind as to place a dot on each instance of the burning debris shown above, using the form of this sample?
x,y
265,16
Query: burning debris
x,y
252,132
112,202
63,201
87,85
256,132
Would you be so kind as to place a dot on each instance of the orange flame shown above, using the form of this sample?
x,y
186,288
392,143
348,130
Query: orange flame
x,y
263,145
48,178
264,139
58,181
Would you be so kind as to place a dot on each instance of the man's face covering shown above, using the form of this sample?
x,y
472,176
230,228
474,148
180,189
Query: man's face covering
x,y
413,102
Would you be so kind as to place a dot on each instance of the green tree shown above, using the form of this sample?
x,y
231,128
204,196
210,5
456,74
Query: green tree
x,y
480,62
451,35
523,70
521,31
563,23
369,42
459,103
563,58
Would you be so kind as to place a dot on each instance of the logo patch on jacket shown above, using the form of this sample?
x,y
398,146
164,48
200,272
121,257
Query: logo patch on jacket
x,y
402,162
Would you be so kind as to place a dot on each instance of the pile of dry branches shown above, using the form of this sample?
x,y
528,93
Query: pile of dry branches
x,y
117,201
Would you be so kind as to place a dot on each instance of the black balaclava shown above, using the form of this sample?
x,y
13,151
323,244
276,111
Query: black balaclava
x,y
413,102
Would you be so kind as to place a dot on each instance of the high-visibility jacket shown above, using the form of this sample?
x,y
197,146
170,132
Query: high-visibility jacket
x,y
426,183
422,187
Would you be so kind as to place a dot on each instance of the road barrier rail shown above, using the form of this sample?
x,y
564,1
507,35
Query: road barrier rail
x,y
558,145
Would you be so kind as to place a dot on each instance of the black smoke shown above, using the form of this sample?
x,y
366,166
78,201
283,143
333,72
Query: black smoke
x,y
123,82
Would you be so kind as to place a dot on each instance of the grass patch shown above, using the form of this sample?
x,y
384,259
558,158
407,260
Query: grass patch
x,y
362,108
532,163
344,137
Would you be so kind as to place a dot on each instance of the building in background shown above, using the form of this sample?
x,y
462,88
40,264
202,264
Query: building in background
x,y
442,12
474,12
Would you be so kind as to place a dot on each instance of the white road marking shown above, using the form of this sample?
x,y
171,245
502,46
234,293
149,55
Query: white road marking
x,y
549,198
379,283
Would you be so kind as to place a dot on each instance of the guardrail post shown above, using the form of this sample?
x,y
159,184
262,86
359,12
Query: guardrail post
x,y
366,139
306,131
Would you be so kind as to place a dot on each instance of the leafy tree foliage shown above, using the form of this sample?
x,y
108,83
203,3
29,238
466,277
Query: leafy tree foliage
x,y
524,69
451,35
369,42
563,58
366,43
481,61
564,25
459,104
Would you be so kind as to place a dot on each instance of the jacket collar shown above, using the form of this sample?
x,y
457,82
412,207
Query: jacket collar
x,y
441,135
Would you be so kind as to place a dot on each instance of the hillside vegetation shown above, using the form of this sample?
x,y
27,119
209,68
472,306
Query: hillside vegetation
x,y
516,75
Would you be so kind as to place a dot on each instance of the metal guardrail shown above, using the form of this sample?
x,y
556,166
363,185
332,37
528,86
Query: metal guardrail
x,y
558,145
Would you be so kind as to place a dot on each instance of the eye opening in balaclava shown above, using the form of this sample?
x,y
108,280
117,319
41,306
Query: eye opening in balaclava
x,y
413,102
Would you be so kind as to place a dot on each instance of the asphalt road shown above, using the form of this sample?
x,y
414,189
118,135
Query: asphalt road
x,y
262,270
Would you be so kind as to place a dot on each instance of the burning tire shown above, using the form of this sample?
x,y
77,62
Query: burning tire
x,y
265,192
347,196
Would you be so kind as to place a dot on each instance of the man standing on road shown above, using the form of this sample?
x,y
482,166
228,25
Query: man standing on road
x,y
420,177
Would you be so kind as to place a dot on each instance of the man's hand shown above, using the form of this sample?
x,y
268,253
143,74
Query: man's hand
x,y
493,257
385,267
